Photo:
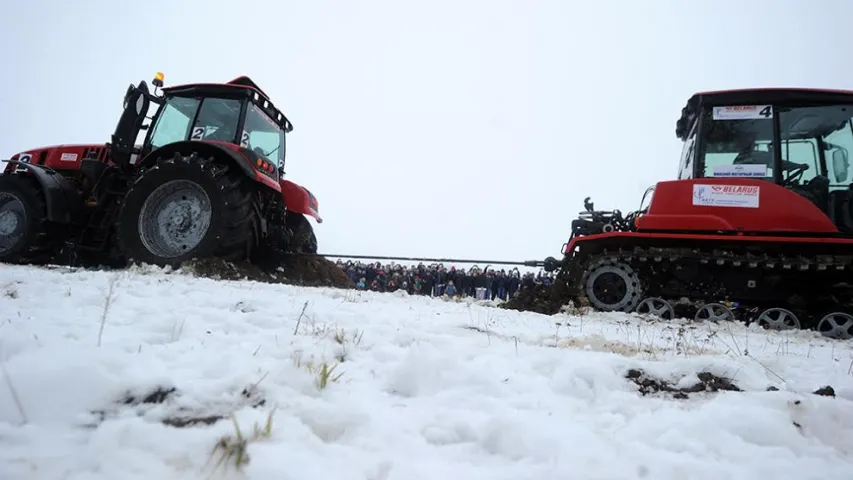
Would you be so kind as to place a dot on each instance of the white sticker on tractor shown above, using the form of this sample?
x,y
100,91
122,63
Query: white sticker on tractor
x,y
197,133
68,157
23,158
743,112
244,139
740,196
744,170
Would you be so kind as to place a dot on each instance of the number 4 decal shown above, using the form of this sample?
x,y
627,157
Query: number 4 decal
x,y
198,133
244,139
743,112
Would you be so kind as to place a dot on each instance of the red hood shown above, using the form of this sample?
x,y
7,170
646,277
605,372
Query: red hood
x,y
67,146
63,157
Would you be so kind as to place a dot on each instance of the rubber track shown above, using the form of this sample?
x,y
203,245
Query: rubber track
x,y
643,257
721,258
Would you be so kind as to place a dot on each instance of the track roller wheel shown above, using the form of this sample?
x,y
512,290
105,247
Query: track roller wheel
x,y
714,312
838,325
25,234
778,319
656,306
187,207
612,286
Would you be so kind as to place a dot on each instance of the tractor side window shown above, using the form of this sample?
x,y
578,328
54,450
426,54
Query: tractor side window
x,y
803,130
263,135
173,124
798,154
217,120
839,146
737,141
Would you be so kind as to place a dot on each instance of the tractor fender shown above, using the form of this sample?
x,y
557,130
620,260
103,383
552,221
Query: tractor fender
x,y
63,202
187,147
299,199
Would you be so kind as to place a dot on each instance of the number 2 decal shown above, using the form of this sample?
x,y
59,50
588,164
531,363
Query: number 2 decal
x,y
244,139
23,158
198,133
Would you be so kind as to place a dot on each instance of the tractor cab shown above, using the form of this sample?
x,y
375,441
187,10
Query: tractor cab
x,y
797,138
237,113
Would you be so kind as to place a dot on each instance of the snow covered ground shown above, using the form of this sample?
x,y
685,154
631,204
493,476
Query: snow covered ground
x,y
97,367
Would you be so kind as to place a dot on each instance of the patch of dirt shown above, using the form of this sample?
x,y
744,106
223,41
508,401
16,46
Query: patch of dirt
x,y
708,382
826,391
157,396
303,270
184,422
544,299
183,417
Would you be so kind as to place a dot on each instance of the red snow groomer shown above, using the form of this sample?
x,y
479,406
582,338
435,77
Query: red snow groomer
x,y
759,223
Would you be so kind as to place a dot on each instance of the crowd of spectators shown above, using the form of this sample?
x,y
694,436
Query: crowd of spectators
x,y
437,280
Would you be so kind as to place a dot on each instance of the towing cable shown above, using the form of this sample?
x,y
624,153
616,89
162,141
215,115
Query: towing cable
x,y
527,263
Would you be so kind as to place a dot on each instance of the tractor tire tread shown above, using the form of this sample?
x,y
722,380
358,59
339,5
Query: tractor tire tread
x,y
235,232
43,235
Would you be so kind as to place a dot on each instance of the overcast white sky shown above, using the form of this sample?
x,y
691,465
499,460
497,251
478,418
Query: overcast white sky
x,y
466,128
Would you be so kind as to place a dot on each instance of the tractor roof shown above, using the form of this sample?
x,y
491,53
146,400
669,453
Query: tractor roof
x,y
770,95
755,96
240,83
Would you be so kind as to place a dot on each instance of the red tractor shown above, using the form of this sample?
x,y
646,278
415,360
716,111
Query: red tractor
x,y
207,180
759,221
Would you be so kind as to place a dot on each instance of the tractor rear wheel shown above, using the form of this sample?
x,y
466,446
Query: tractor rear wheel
x,y
303,240
24,228
186,207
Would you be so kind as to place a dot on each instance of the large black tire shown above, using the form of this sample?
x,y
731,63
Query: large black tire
x,y
187,207
303,240
310,245
25,233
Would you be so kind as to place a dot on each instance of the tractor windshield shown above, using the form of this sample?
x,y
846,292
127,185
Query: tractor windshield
x,y
737,144
173,122
216,119
263,136
814,141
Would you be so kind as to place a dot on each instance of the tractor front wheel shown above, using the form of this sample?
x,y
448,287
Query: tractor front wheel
x,y
303,240
24,236
184,208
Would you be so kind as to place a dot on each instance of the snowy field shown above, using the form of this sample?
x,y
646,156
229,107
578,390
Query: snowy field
x,y
122,375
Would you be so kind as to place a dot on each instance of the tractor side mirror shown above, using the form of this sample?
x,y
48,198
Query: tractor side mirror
x,y
127,95
136,102
840,165
646,201
136,97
